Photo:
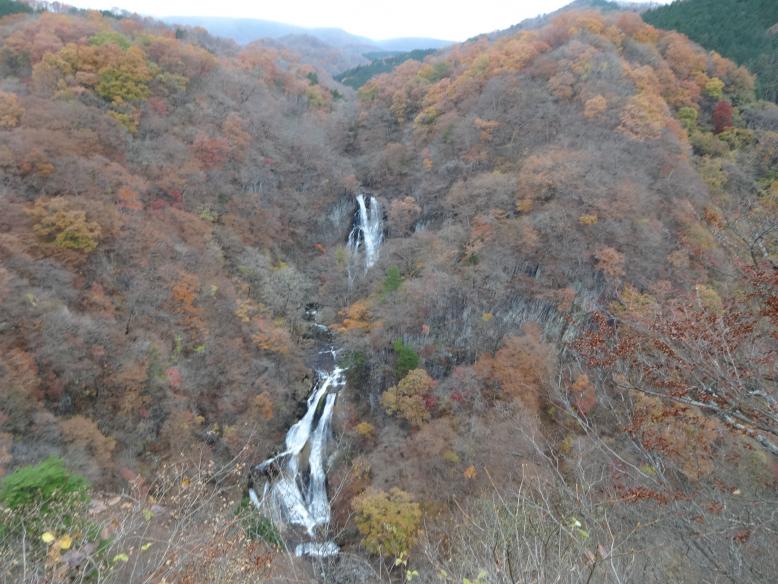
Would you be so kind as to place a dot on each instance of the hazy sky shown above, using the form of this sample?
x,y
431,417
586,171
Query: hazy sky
x,y
443,19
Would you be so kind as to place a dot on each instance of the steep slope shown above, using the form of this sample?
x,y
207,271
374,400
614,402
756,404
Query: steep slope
x,y
741,30
568,209
542,129
151,225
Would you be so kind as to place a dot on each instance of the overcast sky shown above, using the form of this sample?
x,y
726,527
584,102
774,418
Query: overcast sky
x,y
443,19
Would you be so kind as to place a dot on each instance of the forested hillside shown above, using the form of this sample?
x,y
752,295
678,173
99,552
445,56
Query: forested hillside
x,y
742,30
561,365
12,7
358,76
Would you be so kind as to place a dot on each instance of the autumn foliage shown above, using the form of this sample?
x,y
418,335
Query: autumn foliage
x,y
10,110
389,522
407,398
722,116
575,289
521,368
64,225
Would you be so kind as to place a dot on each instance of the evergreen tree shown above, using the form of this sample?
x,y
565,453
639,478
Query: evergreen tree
x,y
741,30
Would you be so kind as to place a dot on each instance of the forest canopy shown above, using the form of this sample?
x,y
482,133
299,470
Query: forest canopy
x,y
741,30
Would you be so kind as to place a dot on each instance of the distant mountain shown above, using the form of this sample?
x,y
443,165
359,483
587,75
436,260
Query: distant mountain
x,y
337,37
412,44
742,30
242,31
247,30
314,51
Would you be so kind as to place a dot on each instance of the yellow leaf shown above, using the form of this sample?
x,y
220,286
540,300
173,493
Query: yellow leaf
x,y
47,537
65,542
121,558
470,472
145,546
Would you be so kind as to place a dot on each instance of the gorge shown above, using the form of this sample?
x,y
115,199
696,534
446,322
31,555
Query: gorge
x,y
296,488
503,314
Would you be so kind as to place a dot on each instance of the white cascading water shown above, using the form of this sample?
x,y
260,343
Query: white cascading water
x,y
367,230
300,496
297,494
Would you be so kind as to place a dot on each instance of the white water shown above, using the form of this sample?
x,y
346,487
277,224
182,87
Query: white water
x,y
367,231
299,492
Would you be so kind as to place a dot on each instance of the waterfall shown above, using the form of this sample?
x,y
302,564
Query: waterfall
x,y
295,490
299,492
367,230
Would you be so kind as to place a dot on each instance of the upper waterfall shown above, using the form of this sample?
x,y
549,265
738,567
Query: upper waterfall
x,y
367,230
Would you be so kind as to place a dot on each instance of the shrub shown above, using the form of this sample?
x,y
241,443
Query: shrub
x,y
389,522
405,358
65,227
109,37
714,88
722,116
595,106
407,398
357,369
707,144
41,484
393,280
10,110
365,430
258,527
688,117
591,219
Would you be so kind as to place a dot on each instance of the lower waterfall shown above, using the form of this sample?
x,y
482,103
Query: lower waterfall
x,y
296,486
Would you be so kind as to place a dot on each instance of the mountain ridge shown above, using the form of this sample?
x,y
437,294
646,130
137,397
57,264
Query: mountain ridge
x,y
245,30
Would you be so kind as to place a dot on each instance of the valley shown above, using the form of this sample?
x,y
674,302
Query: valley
x,y
504,312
